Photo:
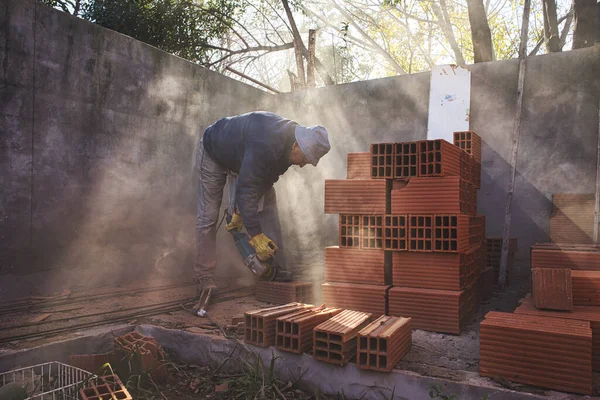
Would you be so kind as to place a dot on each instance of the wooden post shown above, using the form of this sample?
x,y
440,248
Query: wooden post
x,y
512,175
292,78
597,203
310,65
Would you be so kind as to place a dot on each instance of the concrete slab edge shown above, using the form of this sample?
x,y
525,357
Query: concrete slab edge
x,y
311,375
97,340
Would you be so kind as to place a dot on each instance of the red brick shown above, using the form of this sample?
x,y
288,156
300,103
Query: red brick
x,y
384,342
295,331
420,232
452,233
551,288
586,288
335,340
590,314
354,265
438,158
260,325
284,292
442,271
540,351
105,387
406,160
359,197
359,166
371,232
575,257
350,230
434,195
434,310
353,296
382,160
396,233
470,142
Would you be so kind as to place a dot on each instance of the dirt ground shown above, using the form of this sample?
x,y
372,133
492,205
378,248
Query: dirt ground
x,y
433,354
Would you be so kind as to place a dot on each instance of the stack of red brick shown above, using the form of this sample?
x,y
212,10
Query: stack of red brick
x,y
556,330
489,274
409,222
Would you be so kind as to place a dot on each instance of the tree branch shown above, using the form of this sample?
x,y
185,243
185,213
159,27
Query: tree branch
x,y
298,44
542,40
399,70
268,49
446,25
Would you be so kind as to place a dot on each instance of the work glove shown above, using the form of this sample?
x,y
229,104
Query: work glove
x,y
265,248
235,223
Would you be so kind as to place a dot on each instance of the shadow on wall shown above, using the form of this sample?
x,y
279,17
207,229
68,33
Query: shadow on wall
x,y
116,124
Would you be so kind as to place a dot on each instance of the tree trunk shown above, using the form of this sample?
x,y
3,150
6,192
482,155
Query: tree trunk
x,y
525,29
483,49
310,64
586,23
297,39
298,44
444,21
397,67
551,26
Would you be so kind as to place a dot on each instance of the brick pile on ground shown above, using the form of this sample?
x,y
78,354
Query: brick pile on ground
x,y
550,352
553,337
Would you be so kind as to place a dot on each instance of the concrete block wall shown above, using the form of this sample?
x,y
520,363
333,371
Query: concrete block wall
x,y
98,132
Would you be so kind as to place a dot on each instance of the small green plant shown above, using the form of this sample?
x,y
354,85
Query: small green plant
x,y
439,392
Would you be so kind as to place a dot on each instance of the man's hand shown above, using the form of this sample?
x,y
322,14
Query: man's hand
x,y
235,223
264,246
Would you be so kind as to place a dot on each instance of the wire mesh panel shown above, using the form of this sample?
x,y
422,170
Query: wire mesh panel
x,y
52,380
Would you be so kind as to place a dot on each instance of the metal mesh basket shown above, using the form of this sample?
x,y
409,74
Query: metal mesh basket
x,y
52,380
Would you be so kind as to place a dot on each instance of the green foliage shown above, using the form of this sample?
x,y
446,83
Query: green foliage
x,y
182,27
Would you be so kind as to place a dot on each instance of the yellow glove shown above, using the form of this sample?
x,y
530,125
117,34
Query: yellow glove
x,y
264,246
236,222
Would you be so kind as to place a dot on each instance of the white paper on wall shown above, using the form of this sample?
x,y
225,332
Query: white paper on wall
x,y
449,102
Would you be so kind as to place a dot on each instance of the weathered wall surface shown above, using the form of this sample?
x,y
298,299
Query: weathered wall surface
x,y
98,132
97,151
557,153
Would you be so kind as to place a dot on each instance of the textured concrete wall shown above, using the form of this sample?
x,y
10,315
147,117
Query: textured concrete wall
x,y
98,134
557,153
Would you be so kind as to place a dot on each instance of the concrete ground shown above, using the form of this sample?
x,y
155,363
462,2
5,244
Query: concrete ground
x,y
440,356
